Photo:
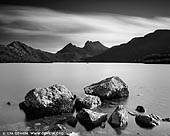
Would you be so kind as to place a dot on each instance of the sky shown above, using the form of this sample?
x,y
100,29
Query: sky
x,y
51,24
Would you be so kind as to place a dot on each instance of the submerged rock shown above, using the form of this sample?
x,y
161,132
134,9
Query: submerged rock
x,y
52,100
140,109
72,121
109,88
147,121
87,101
119,118
8,103
90,119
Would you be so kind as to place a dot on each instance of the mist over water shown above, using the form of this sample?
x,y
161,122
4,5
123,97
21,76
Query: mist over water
x,y
148,86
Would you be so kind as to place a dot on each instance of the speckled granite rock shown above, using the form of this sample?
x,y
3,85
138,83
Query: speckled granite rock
x,y
90,119
87,101
119,118
109,88
48,101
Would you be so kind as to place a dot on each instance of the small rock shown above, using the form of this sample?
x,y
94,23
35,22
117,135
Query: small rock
x,y
73,134
87,102
132,113
138,133
147,121
119,118
166,119
90,119
140,109
109,88
37,124
139,94
8,103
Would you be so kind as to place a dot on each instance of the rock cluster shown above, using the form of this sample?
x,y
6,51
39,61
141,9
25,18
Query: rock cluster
x,y
57,99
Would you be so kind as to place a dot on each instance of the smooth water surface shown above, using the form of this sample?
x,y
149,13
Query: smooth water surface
x,y
149,85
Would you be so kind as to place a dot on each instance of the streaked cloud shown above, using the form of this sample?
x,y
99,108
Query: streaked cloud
x,y
51,30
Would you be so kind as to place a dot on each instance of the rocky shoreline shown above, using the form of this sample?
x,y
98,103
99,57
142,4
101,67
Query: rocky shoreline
x,y
48,109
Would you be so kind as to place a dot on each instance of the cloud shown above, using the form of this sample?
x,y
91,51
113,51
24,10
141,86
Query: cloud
x,y
52,29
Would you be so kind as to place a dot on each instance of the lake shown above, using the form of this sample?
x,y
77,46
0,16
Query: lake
x,y
149,85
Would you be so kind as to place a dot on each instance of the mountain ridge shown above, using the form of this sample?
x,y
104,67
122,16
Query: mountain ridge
x,y
157,42
18,52
73,53
152,48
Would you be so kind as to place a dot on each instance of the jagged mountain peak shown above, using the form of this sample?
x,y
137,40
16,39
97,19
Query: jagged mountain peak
x,y
17,44
92,42
68,48
96,45
70,45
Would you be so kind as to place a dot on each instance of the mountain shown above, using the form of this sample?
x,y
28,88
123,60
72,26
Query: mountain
x,y
72,53
94,48
19,52
152,48
140,49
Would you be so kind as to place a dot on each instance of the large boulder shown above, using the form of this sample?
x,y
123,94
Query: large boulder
x,y
119,118
147,121
87,102
109,88
40,102
90,119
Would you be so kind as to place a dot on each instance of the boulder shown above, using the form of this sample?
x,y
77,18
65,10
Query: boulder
x,y
109,88
147,121
140,109
119,118
40,102
87,102
90,119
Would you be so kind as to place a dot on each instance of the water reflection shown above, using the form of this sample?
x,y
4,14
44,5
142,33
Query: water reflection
x,y
114,102
148,86
118,130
